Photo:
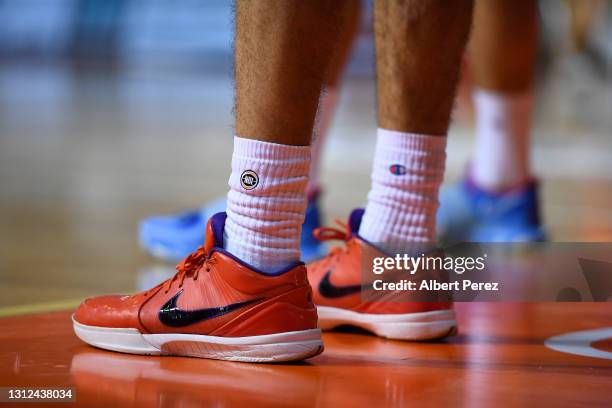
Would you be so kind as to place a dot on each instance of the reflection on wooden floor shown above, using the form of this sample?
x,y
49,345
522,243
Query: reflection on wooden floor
x,y
498,356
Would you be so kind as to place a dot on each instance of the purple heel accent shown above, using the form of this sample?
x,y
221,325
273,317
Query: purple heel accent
x,y
218,224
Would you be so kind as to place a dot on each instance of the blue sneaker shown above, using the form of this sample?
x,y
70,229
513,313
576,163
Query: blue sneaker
x,y
470,214
312,249
173,237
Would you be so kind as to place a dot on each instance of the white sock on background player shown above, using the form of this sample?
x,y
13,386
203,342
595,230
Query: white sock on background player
x,y
503,126
401,211
266,202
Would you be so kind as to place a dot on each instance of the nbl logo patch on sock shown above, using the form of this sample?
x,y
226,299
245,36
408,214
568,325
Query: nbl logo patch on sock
x,y
249,179
397,169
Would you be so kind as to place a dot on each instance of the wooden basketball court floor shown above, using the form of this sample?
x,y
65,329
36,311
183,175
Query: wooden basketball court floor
x,y
84,157
497,359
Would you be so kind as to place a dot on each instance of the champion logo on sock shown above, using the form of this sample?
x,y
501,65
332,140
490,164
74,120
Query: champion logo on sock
x,y
397,169
249,179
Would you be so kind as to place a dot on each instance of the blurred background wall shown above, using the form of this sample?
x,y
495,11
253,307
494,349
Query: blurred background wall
x,y
186,32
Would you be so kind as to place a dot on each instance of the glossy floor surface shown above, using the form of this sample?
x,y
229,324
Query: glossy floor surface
x,y
498,358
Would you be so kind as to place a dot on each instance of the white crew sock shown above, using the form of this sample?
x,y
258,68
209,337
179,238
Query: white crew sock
x,y
401,212
266,202
325,115
503,126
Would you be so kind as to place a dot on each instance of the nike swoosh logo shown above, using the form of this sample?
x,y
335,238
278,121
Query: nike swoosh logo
x,y
171,315
329,290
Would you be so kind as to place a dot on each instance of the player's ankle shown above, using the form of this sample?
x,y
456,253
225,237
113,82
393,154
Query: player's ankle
x,y
501,184
266,203
402,204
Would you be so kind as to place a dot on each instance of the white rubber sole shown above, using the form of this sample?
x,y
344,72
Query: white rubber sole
x,y
289,346
409,326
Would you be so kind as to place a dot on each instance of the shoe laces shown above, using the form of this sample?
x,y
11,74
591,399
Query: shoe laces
x,y
331,233
190,266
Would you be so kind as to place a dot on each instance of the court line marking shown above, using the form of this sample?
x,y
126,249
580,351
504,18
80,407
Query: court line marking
x,y
53,306
580,343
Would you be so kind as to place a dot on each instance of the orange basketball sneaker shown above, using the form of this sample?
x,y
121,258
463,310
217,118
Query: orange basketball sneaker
x,y
216,306
337,286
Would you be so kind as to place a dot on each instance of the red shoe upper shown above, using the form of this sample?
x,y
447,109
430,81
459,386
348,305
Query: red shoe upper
x,y
213,293
337,279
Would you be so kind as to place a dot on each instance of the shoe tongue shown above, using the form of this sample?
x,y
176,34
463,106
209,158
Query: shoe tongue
x,y
354,220
214,231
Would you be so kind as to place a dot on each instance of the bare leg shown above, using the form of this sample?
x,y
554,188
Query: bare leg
x,y
419,45
253,119
352,11
283,50
503,52
329,98
504,44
